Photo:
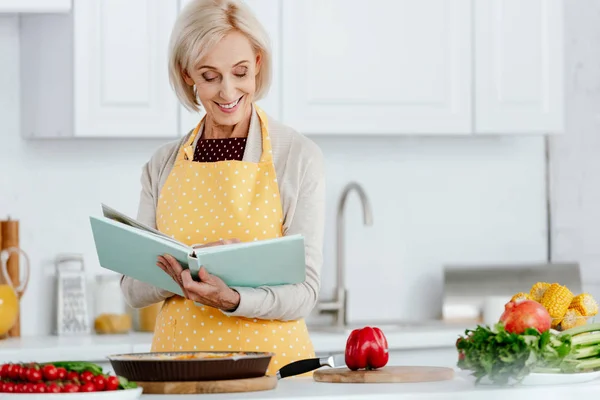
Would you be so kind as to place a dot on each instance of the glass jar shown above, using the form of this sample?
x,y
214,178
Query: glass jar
x,y
108,297
110,307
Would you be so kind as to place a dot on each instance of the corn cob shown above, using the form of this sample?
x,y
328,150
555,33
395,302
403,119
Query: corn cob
x,y
572,319
521,296
538,290
555,324
585,305
557,299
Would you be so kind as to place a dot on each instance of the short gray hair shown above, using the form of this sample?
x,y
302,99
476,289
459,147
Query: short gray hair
x,y
203,23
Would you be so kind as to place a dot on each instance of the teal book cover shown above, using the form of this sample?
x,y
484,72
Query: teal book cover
x,y
125,246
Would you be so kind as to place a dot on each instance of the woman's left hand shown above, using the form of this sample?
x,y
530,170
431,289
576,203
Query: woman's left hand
x,y
210,291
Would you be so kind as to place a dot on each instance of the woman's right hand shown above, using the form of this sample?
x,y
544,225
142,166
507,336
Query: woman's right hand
x,y
175,272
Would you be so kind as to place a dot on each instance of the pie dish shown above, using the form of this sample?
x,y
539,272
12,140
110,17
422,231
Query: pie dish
x,y
190,365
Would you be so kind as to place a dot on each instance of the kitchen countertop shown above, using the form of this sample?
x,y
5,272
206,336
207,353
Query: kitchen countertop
x,y
459,388
97,347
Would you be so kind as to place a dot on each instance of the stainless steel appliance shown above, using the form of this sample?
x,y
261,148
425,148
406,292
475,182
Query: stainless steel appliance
x,y
467,288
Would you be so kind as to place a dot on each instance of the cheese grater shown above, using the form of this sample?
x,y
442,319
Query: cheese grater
x,y
72,306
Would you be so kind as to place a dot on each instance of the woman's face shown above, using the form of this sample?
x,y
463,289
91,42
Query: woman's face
x,y
225,79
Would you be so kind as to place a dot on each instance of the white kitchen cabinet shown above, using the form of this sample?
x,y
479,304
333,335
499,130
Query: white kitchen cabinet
x,y
98,72
35,6
120,68
519,62
386,67
340,67
267,12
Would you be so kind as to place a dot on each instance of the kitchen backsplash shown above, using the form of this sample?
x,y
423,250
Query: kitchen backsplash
x,y
435,201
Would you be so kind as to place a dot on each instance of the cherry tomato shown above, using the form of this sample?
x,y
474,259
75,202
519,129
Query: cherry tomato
x,y
99,382
112,383
50,372
14,371
39,388
72,376
29,388
34,375
87,376
61,373
53,388
24,373
19,387
9,387
4,371
88,387
70,388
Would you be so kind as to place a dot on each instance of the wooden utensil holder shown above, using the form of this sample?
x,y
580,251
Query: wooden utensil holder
x,y
9,243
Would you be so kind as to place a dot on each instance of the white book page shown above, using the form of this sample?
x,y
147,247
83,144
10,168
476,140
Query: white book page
x,y
118,216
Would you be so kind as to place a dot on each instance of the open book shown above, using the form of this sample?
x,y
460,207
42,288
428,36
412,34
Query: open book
x,y
131,248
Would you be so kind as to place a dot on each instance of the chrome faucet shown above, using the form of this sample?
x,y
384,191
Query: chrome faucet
x,y
338,305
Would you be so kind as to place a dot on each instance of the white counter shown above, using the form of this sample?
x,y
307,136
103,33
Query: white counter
x,y
459,388
97,347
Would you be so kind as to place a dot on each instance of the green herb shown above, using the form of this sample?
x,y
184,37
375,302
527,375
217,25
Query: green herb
x,y
501,356
78,366
125,384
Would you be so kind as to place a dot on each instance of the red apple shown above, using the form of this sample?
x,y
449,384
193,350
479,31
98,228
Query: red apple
x,y
523,314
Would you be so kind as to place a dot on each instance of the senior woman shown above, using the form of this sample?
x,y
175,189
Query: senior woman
x,y
238,176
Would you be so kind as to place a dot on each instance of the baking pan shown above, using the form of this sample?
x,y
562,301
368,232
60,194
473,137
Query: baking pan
x,y
190,365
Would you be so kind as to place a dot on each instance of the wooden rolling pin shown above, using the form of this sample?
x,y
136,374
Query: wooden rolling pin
x,y
9,237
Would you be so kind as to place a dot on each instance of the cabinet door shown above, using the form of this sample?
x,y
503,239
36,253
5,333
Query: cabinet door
x,y
121,81
377,67
519,66
267,12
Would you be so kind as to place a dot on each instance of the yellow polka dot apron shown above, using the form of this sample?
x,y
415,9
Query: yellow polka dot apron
x,y
205,202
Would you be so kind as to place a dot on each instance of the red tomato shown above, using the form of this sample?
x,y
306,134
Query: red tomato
x,y
88,387
112,383
50,372
39,388
72,376
70,388
9,387
24,373
61,373
53,388
4,371
99,382
87,376
14,372
19,387
34,375
29,388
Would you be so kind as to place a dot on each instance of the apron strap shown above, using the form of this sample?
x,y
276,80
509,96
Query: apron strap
x,y
267,152
186,152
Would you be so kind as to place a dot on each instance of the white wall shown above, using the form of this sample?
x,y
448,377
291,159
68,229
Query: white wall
x,y
575,166
434,200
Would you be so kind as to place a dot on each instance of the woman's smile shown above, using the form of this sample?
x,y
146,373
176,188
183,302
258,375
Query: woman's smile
x,y
230,108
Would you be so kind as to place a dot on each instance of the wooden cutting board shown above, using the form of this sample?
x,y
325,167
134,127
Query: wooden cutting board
x,y
221,386
389,374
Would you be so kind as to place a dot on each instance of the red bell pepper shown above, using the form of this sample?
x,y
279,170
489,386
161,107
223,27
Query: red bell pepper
x,y
366,348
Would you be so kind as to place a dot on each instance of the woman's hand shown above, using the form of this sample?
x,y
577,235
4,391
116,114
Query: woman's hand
x,y
210,291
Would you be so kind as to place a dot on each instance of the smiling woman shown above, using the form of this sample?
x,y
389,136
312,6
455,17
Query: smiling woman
x,y
238,176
